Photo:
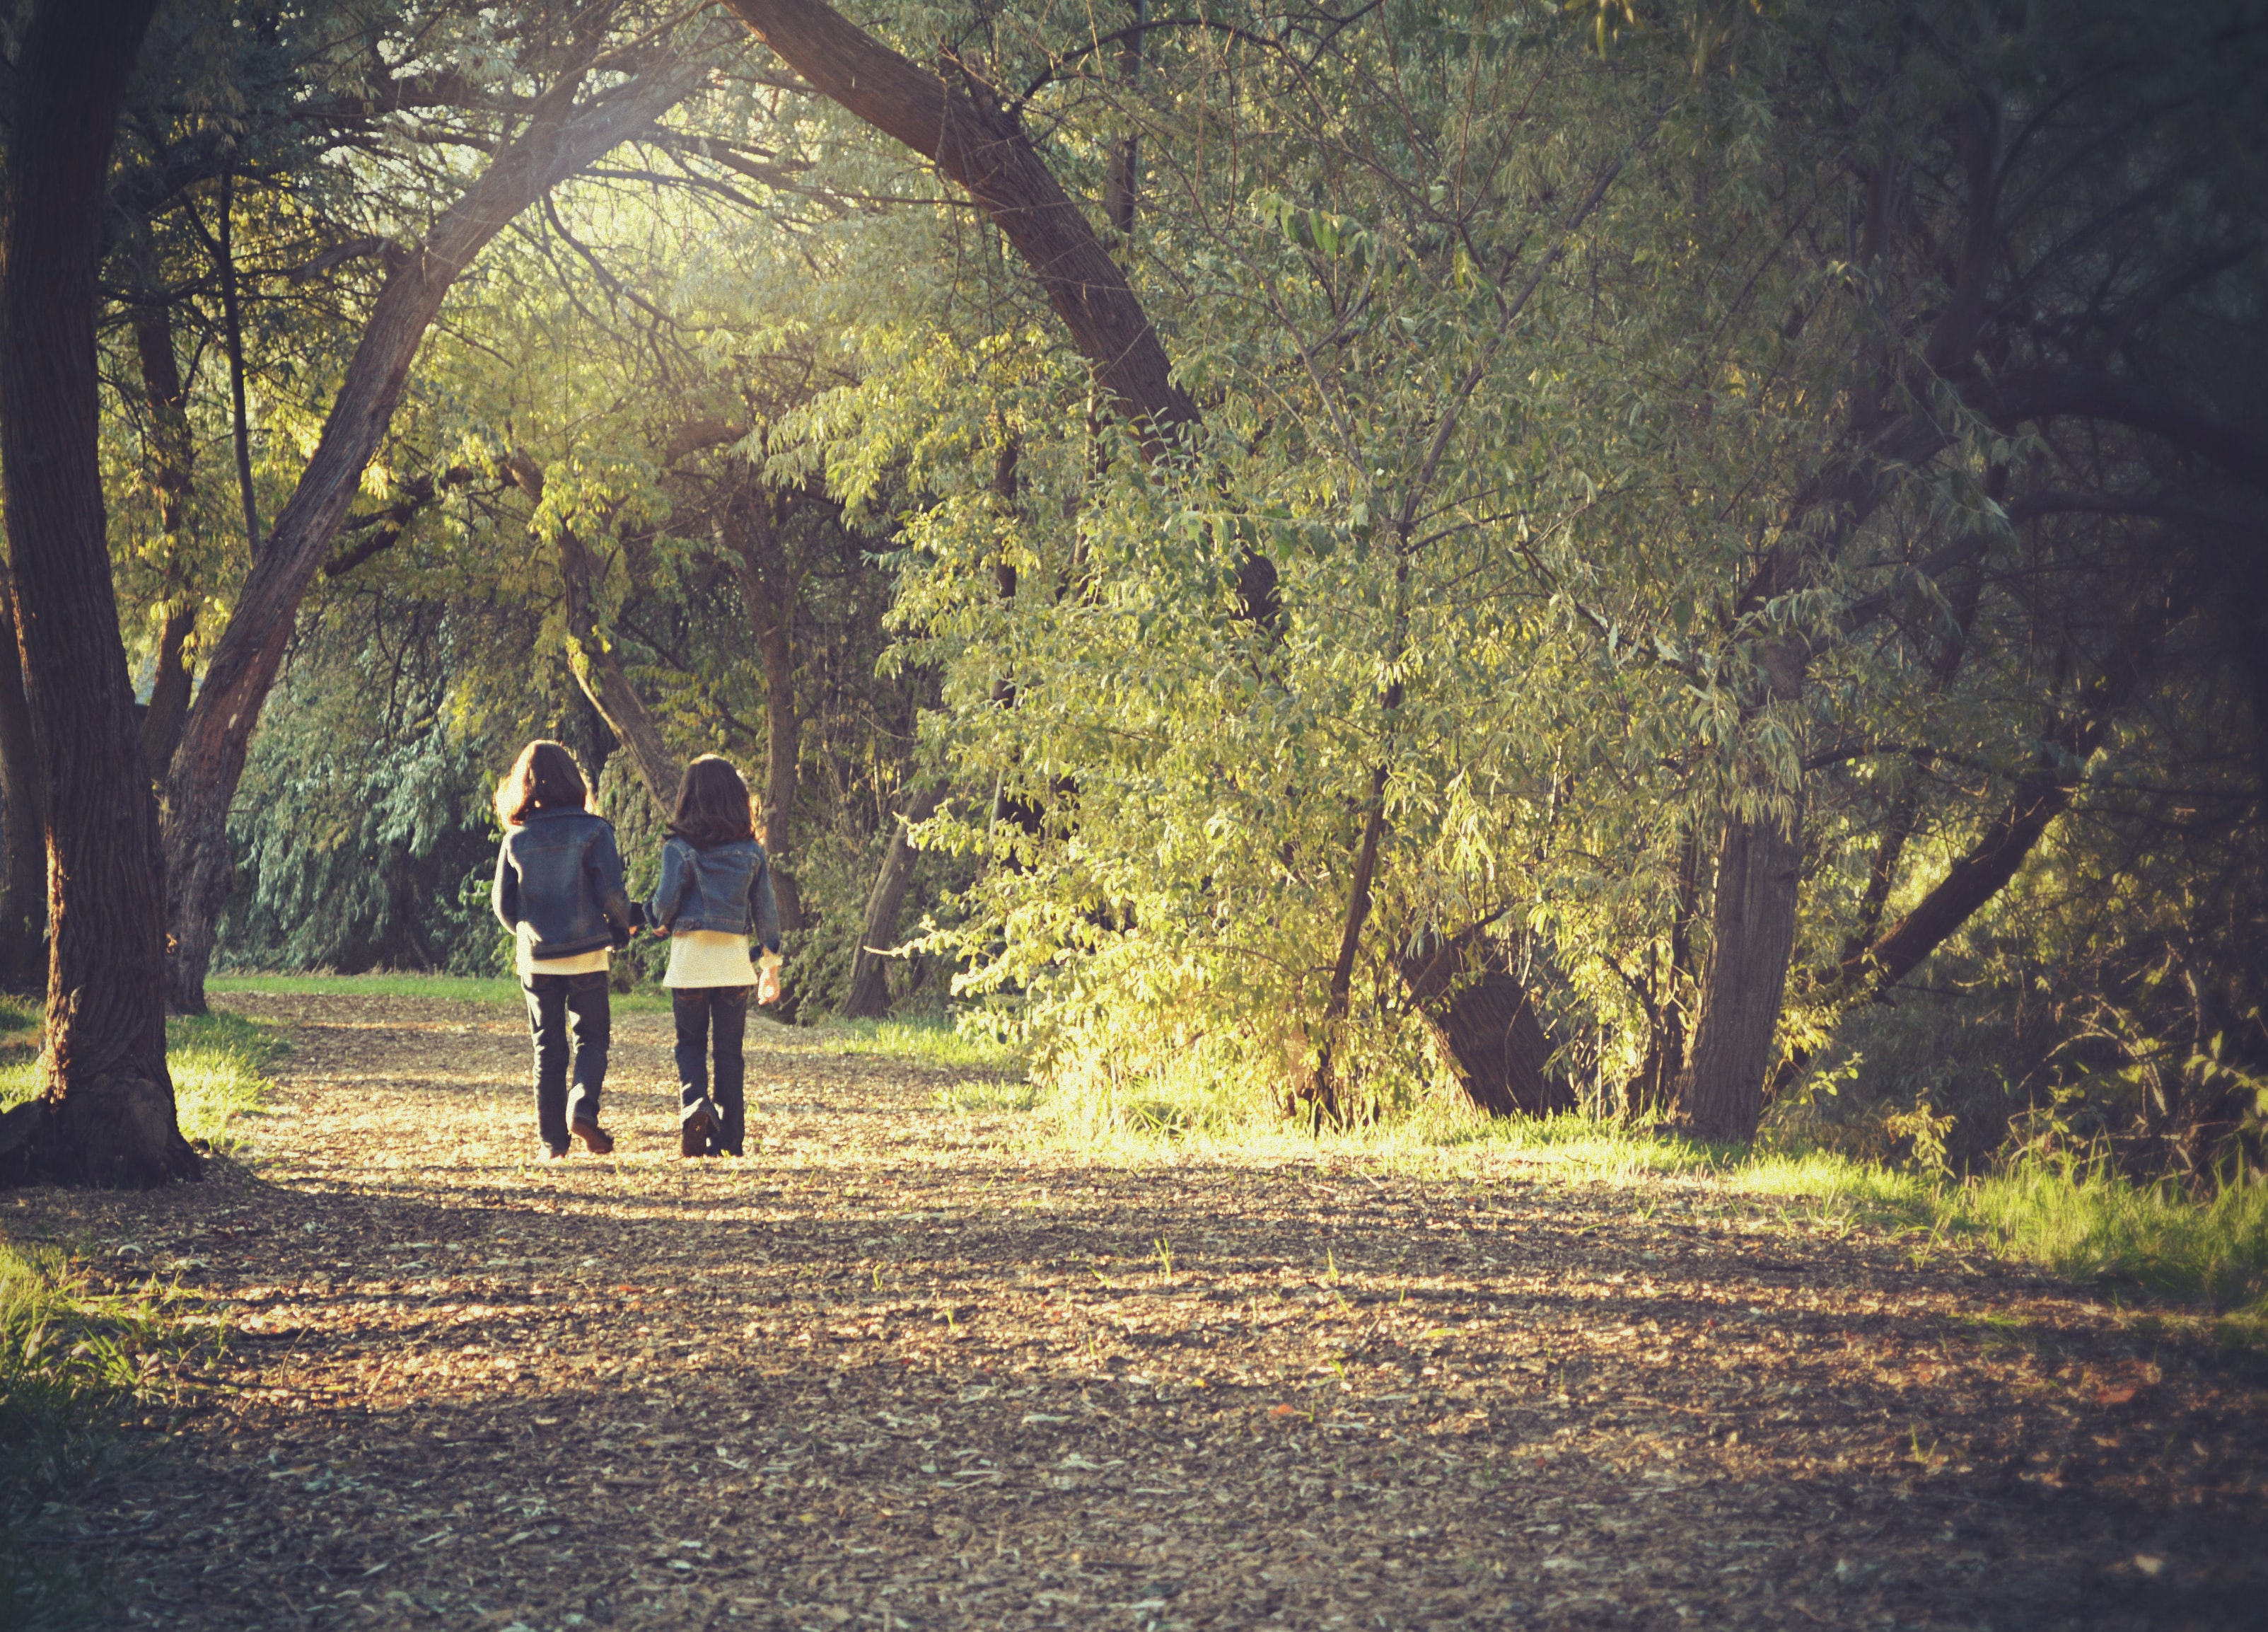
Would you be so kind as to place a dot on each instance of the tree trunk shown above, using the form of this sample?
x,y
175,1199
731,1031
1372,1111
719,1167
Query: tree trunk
x,y
1751,938
232,328
107,1116
1316,1085
1122,187
767,589
1649,1093
23,823
983,150
870,986
170,688
1486,1024
557,141
173,478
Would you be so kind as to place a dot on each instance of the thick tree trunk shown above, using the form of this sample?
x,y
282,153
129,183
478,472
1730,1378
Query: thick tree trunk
x,y
107,1116
1751,938
557,141
1486,1024
767,589
23,823
870,986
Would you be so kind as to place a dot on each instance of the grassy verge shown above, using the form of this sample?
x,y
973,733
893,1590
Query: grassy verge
x,y
2078,1222
218,1062
75,1365
930,1043
497,991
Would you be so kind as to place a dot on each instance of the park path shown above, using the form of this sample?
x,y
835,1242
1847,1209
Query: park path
x,y
907,1368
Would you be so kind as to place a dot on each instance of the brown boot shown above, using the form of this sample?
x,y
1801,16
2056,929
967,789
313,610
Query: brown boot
x,y
695,1131
595,1139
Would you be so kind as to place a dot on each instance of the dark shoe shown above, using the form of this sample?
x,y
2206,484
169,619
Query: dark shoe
x,y
595,1139
554,1153
695,1130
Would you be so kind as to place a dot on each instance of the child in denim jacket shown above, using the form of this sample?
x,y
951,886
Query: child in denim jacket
x,y
559,889
716,887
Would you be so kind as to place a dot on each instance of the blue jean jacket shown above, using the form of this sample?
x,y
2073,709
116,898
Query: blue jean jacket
x,y
725,886
561,875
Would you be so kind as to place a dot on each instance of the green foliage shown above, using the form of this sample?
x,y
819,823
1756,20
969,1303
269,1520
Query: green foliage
x,y
1590,380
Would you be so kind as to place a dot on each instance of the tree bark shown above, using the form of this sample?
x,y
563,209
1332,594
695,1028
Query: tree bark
x,y
558,140
1751,938
173,478
170,688
106,1115
1486,1024
232,326
767,588
1122,187
23,823
870,986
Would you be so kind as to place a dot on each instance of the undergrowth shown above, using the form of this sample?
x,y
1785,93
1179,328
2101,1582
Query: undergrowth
x,y
75,1363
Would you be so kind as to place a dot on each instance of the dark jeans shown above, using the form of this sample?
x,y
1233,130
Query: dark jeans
x,y
571,1018
723,1012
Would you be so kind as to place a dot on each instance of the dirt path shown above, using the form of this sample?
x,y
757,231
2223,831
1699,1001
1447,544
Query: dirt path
x,y
893,1372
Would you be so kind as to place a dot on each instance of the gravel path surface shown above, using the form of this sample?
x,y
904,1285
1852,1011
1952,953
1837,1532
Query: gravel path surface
x,y
909,1367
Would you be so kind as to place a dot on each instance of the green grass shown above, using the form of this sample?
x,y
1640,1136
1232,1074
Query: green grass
x,y
495,991
18,1014
218,1062
2079,1222
75,1365
929,1041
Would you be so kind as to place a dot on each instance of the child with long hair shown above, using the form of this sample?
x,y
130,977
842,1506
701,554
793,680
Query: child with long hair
x,y
559,889
716,887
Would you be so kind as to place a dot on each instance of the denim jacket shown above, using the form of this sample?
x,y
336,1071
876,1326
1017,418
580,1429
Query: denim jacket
x,y
562,875
725,886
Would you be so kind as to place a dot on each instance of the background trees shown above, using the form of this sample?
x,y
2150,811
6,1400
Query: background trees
x,y
1652,564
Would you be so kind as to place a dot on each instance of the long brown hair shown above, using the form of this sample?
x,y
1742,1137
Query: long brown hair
x,y
545,777
713,805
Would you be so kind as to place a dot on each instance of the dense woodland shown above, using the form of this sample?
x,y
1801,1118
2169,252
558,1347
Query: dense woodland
x,y
1700,563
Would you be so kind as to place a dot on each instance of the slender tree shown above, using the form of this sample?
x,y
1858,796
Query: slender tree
x,y
563,132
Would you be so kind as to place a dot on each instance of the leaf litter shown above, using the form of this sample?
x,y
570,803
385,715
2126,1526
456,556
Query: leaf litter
x,y
904,1369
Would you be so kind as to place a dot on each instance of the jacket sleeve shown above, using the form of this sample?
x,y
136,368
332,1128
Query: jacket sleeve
x,y
603,862
505,895
763,908
669,892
